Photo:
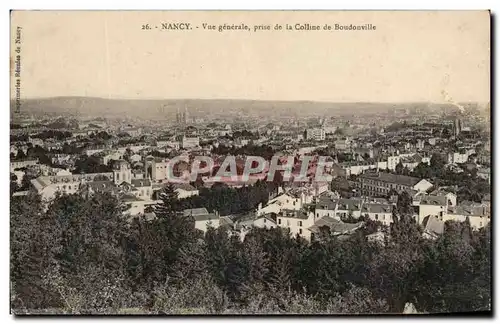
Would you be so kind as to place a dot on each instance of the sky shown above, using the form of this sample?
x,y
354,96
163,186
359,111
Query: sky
x,y
411,56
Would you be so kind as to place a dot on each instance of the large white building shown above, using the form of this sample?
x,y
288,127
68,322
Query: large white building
x,y
457,157
317,134
136,193
297,221
48,186
159,169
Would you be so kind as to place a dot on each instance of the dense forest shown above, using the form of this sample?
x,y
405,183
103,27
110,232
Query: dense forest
x,y
80,255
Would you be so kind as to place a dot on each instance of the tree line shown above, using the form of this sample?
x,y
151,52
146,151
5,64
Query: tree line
x,y
79,254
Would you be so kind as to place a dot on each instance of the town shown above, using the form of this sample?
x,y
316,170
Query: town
x,y
441,163
323,162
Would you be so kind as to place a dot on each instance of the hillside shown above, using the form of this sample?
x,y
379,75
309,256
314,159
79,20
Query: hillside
x,y
148,108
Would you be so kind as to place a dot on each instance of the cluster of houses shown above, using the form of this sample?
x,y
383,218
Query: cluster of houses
x,y
305,209
308,211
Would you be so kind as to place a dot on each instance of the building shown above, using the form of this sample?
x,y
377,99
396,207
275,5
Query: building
x,y
244,226
159,169
133,131
279,203
190,142
48,186
431,205
332,227
202,218
141,188
450,196
378,212
106,158
136,206
433,227
356,168
121,172
252,220
22,164
326,206
457,157
381,183
484,173
479,216
316,134
182,117
348,208
297,221
185,190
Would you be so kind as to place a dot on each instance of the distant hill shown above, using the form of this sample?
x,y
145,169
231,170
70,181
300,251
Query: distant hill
x,y
149,108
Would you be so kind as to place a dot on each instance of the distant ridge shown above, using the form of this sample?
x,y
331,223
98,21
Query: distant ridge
x,y
162,107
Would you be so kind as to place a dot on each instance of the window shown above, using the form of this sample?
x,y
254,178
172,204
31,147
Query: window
x,y
288,222
376,216
117,176
299,223
279,221
300,231
317,214
264,220
383,217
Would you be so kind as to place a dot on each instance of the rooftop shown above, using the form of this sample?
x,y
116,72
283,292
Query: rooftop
x,y
195,211
391,178
475,210
434,200
376,208
349,204
299,214
433,225
336,226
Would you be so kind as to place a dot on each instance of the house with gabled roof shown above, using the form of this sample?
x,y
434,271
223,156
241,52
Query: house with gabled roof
x,y
333,227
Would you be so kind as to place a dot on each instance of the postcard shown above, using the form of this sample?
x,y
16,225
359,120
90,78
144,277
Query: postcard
x,y
250,162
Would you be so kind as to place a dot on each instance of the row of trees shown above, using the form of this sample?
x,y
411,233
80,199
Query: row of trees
x,y
227,200
78,254
264,151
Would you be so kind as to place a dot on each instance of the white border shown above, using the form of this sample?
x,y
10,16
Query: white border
x,y
190,5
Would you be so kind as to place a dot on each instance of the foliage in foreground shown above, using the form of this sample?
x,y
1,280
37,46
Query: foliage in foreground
x,y
79,255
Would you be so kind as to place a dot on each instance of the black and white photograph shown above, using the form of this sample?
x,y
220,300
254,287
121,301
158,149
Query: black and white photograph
x,y
250,162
